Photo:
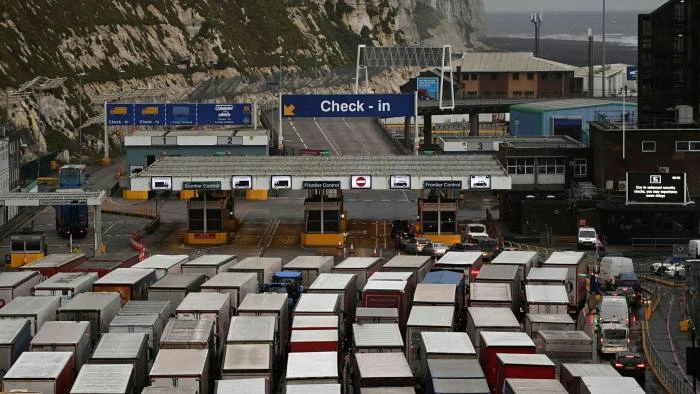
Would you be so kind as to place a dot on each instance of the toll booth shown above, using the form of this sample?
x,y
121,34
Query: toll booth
x,y
437,211
209,218
324,217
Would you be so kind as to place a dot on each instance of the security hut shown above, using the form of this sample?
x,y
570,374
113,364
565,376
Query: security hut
x,y
236,284
210,265
522,258
508,274
104,379
365,315
64,336
163,264
37,309
362,267
208,305
269,304
181,368
382,370
17,284
15,336
263,267
546,299
98,308
418,265
66,285
489,319
310,267
425,318
315,367
377,338
174,288
130,349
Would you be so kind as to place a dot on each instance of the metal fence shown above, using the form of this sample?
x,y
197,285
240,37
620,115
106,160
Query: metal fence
x,y
543,253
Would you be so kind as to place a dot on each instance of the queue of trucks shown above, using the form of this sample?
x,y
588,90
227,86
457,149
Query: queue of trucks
x,y
363,325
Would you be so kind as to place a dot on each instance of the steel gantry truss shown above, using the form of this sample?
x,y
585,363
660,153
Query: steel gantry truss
x,y
391,57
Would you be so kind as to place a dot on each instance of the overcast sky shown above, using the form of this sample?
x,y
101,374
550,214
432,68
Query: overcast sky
x,y
569,5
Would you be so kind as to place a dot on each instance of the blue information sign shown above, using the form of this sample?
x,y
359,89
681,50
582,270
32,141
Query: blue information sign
x,y
149,114
181,114
632,72
348,105
224,114
120,114
428,88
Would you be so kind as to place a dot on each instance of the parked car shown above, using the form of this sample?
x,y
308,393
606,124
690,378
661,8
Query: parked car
x,y
675,271
404,240
435,249
416,245
464,247
630,364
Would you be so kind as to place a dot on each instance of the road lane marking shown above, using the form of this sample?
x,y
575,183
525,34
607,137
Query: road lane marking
x,y
337,152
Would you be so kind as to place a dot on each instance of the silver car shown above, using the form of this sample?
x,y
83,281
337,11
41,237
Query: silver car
x,y
435,249
416,245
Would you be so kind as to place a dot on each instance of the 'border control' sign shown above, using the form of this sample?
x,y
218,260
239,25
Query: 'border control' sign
x,y
348,105
655,188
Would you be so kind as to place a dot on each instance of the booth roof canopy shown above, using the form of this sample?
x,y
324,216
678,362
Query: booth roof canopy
x,y
420,166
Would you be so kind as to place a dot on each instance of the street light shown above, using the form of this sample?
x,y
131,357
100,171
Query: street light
x,y
603,71
165,74
80,117
279,131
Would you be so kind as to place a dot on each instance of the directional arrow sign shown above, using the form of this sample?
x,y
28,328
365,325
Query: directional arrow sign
x,y
348,105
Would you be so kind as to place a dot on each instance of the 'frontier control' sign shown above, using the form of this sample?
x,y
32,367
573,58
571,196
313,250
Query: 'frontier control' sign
x,y
320,185
655,188
442,184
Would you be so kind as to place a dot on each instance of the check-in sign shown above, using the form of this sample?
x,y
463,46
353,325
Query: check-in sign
x,y
348,105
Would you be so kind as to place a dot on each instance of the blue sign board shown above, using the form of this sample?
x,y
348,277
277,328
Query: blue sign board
x,y
348,105
428,88
120,114
181,114
632,72
149,114
224,114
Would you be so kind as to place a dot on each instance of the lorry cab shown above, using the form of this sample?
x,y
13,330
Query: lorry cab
x,y
613,338
286,282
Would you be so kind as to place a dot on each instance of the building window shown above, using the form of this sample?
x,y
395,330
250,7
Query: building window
x,y
649,146
473,76
550,166
687,146
580,167
521,166
516,76
543,75
679,13
494,76
530,76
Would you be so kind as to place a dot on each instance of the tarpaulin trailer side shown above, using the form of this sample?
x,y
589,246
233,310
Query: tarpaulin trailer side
x,y
15,336
64,336
120,348
210,265
17,284
174,287
97,308
236,284
37,309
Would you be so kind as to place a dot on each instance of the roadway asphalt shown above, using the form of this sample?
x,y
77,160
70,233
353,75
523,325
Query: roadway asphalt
x,y
339,136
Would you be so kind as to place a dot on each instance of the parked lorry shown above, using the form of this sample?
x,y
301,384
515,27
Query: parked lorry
x,y
529,386
444,345
362,267
489,319
377,338
421,319
286,282
255,329
503,273
312,367
382,370
601,385
343,285
150,324
467,263
237,284
130,283
269,304
64,336
44,372
491,294
17,284
388,294
210,265
563,345
37,309
66,285
418,265
52,264
124,348
183,368
570,374
15,336
577,268
174,288
546,299
248,361
310,266
533,366
97,308
163,264
548,321
263,267
104,379
208,306
314,341
495,342
524,259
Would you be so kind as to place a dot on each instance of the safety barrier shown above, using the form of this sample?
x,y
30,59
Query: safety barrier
x,y
128,210
670,380
544,253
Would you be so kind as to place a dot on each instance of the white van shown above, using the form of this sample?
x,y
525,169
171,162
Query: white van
x,y
614,309
587,237
611,266
614,338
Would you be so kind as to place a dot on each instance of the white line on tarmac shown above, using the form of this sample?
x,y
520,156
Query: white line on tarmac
x,y
337,152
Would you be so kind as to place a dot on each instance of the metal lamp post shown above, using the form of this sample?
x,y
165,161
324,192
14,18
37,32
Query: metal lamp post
x,y
280,138
165,75
80,118
602,76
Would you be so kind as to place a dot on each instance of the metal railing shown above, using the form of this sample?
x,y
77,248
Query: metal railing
x,y
658,242
543,253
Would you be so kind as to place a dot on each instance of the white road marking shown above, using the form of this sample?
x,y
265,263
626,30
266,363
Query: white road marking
x,y
298,135
337,152
109,228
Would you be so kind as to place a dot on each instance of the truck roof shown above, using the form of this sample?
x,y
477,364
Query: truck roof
x,y
563,335
271,302
488,316
564,258
252,328
318,303
460,386
90,301
550,318
54,260
177,281
393,275
120,345
249,357
504,272
312,365
161,261
484,291
525,359
385,285
435,293
446,368
332,281
314,321
11,328
204,302
458,259
179,362
355,263
503,338
547,274
318,388
376,312
211,260
235,386
230,279
515,257
546,294
288,274
258,263
129,320
377,335
125,276
27,305
383,365
67,280
39,365
580,369
314,335
611,385
431,316
407,261
102,378
179,331
444,277
308,262
61,332
15,278
447,343
549,386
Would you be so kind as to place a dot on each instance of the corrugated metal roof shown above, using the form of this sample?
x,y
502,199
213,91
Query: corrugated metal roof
x,y
507,62
178,362
447,343
168,390
61,332
383,365
334,281
497,272
547,274
128,320
252,328
486,316
138,307
377,335
504,338
555,105
120,345
318,303
102,378
435,293
431,316
546,294
38,365
316,365
446,368
357,263
230,279
248,357
12,279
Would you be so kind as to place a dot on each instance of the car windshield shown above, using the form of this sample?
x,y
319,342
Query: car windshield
x,y
587,234
615,334
477,228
